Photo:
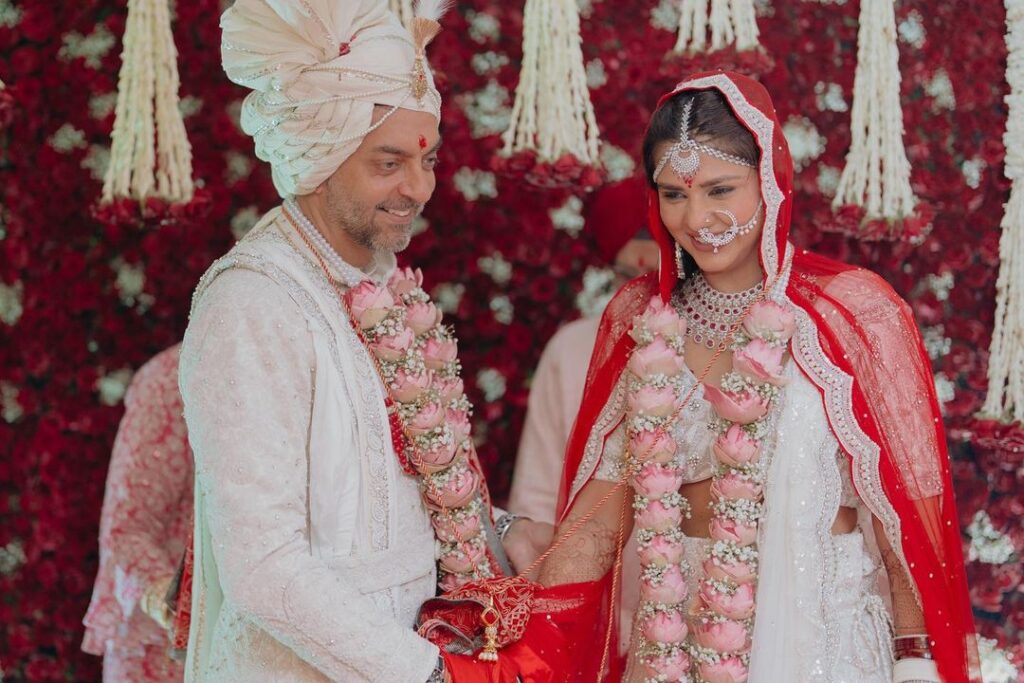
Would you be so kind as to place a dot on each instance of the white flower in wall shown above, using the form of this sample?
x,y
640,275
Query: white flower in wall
x,y
568,216
131,280
243,220
102,105
996,666
598,289
972,168
911,30
829,97
10,302
503,310
828,180
988,544
492,383
189,105
940,284
238,166
936,343
448,296
596,75
112,387
485,63
92,48
805,144
665,15
67,138
482,26
474,184
617,163
940,88
12,556
96,161
10,409
497,267
10,15
945,390
487,109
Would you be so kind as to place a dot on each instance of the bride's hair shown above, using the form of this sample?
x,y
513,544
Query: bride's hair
x,y
711,122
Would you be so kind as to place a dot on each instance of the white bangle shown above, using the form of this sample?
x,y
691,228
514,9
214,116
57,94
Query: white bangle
x,y
915,670
504,523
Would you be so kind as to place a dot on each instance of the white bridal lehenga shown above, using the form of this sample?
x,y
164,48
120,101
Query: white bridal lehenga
x,y
820,611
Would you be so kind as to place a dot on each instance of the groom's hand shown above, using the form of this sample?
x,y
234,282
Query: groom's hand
x,y
524,543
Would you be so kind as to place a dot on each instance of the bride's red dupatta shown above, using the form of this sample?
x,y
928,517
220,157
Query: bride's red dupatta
x,y
858,343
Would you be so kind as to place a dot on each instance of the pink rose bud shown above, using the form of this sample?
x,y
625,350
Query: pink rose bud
x,y
422,317
730,530
393,346
671,590
738,606
661,552
760,362
673,667
458,420
735,448
722,636
459,490
728,670
369,303
449,388
734,486
661,319
654,480
653,402
437,352
457,562
436,459
656,446
665,627
769,320
429,418
741,408
655,359
407,387
737,572
405,280
450,531
659,517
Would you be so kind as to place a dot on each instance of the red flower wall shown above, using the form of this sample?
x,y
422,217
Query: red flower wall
x,y
61,257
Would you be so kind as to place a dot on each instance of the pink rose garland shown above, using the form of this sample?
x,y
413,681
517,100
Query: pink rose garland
x,y
725,604
417,357
656,390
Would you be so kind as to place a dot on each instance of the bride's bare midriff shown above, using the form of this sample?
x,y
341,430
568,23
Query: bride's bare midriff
x,y
699,495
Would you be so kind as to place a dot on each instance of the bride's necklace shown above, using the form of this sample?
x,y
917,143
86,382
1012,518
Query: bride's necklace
x,y
710,314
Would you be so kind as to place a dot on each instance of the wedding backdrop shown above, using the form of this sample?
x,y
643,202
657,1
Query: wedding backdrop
x,y
89,291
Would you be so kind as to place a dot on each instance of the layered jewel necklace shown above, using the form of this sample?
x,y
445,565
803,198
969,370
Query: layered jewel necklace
x,y
710,314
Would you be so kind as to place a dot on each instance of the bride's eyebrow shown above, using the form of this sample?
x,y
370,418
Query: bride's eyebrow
x,y
720,179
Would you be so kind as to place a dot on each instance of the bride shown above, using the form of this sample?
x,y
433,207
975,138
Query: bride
x,y
763,422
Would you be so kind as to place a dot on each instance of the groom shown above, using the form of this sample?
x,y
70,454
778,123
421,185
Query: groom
x,y
313,548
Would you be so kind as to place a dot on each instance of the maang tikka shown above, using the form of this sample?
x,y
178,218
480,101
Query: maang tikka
x,y
684,155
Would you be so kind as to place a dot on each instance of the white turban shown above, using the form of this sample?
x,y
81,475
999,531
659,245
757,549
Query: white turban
x,y
317,68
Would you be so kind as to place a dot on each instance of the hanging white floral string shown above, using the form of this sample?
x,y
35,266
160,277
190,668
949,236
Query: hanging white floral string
x,y
553,126
1005,399
150,154
731,22
877,173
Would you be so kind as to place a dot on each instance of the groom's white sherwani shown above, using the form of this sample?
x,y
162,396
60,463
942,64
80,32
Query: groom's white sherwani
x,y
313,548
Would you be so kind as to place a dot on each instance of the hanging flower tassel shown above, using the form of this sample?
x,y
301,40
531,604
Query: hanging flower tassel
x,y
150,153
1005,399
724,38
874,196
552,140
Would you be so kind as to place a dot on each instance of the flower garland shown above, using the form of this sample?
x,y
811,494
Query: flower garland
x,y
429,414
723,613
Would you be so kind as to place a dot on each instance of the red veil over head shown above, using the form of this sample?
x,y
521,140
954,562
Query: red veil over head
x,y
858,343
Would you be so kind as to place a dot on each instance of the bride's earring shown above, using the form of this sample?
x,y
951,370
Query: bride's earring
x,y
680,271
